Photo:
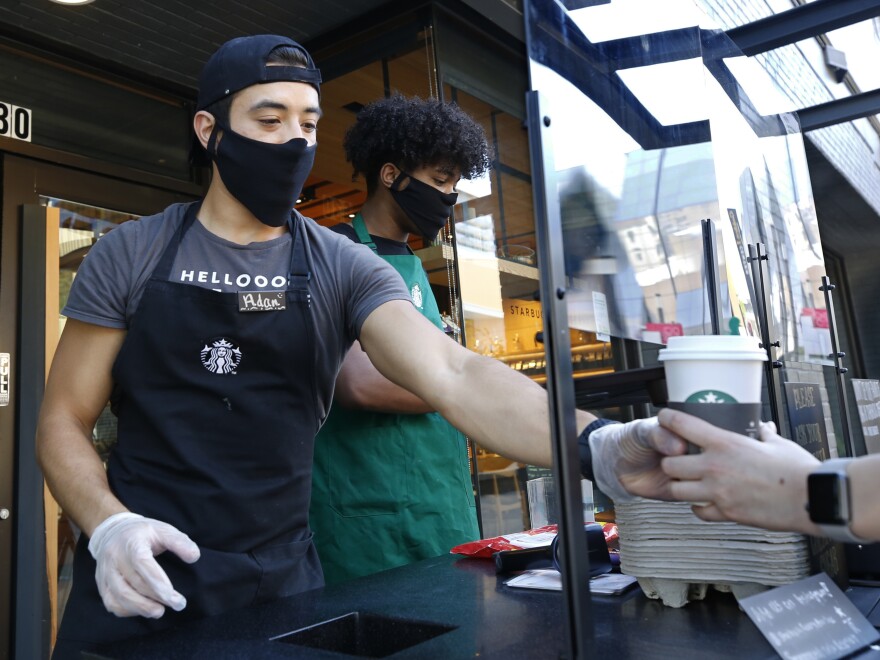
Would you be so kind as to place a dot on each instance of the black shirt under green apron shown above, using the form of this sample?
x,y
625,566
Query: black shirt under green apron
x,y
390,489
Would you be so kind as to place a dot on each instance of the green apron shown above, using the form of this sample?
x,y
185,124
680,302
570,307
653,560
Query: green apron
x,y
390,489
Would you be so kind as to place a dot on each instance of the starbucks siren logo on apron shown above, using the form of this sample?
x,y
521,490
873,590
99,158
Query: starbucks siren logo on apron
x,y
416,293
710,396
221,357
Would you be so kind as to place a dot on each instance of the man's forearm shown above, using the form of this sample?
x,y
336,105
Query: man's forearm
x,y
494,405
74,472
504,411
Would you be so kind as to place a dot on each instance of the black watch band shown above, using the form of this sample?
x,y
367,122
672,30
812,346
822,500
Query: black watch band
x,y
586,454
830,501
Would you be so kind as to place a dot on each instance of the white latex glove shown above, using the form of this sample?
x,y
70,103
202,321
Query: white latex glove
x,y
626,459
130,581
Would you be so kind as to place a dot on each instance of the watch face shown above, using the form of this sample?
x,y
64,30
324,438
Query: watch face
x,y
825,493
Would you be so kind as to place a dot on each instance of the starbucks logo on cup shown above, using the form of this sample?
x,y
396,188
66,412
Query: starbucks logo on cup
x,y
710,396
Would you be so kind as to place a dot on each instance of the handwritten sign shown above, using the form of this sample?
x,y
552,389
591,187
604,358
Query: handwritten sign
x,y
810,619
867,393
807,418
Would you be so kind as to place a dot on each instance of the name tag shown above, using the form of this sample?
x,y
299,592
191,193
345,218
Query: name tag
x,y
262,301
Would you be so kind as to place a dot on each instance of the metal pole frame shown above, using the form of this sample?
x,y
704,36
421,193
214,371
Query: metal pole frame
x,y
31,590
758,255
710,264
837,355
560,381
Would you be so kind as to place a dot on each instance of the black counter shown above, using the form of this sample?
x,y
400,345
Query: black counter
x,y
471,613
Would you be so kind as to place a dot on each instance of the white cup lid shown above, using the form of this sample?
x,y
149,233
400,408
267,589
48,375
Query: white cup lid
x,y
713,347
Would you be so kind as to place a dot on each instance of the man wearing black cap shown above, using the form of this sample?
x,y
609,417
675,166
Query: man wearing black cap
x,y
216,329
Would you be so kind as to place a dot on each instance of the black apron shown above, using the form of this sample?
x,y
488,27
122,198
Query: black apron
x,y
217,417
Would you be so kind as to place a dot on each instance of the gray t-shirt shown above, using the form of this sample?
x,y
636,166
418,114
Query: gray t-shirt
x,y
348,280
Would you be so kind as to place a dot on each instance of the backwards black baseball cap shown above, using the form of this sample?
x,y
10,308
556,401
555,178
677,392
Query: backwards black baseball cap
x,y
241,62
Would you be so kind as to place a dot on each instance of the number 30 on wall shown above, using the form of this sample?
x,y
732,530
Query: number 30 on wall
x,y
15,122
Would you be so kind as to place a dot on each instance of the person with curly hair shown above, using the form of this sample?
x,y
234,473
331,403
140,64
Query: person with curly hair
x,y
391,476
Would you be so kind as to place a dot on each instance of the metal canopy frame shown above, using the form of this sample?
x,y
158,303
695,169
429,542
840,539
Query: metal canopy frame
x,y
812,20
840,110
606,58
808,20
799,23
785,28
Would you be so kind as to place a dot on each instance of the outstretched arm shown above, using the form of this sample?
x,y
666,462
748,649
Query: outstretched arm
x,y
495,405
491,403
360,386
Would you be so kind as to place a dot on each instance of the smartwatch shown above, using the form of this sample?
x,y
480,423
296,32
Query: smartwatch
x,y
829,500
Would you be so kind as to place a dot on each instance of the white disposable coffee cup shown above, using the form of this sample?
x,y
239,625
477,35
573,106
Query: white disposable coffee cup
x,y
713,369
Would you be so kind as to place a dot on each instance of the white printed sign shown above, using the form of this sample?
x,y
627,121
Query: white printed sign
x,y
15,122
600,313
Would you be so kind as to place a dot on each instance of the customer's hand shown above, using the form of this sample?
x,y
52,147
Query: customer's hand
x,y
130,581
626,459
754,482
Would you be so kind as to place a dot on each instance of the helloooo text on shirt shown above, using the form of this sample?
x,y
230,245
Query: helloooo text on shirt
x,y
240,282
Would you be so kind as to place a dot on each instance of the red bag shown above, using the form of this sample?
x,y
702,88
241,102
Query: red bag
x,y
532,538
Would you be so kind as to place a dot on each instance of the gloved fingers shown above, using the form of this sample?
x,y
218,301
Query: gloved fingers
x,y
661,439
145,575
121,599
170,538
130,580
630,441
644,427
636,445
642,432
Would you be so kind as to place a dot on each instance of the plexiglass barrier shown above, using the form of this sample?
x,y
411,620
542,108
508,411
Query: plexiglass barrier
x,y
659,122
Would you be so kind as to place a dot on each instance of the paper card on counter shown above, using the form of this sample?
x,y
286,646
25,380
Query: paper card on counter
x,y
542,578
550,579
526,540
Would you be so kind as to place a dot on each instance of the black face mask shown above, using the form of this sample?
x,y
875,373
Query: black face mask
x,y
427,207
266,178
